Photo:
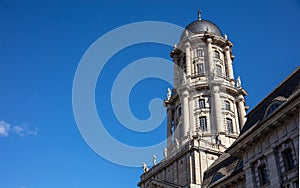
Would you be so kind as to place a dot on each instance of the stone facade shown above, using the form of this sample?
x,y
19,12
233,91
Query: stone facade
x,y
209,141
268,146
206,108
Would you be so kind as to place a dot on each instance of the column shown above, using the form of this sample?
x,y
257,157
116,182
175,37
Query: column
x,y
192,128
241,110
186,118
188,59
169,125
210,56
176,79
217,109
273,170
229,64
236,119
248,176
296,145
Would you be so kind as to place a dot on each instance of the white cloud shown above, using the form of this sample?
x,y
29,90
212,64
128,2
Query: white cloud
x,y
20,130
4,128
24,130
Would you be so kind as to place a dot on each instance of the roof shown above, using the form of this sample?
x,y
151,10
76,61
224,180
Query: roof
x,y
201,27
225,166
283,91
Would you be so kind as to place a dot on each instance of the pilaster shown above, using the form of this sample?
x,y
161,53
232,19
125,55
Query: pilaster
x,y
274,176
188,59
229,65
186,118
241,110
210,56
216,110
169,125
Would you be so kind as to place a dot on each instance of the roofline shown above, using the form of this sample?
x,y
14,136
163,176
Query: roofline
x,y
276,88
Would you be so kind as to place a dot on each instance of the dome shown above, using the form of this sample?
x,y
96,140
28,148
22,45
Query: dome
x,y
202,26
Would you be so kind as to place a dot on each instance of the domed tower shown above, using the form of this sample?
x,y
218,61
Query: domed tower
x,y
206,107
207,103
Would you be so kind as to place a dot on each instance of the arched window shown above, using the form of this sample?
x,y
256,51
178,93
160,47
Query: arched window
x,y
272,108
229,125
227,105
218,176
217,54
203,123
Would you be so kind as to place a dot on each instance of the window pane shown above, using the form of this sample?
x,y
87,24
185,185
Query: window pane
x,y
263,175
227,105
201,103
229,125
217,55
288,159
200,68
203,125
199,53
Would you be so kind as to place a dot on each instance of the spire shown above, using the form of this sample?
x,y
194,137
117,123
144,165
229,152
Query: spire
x,y
199,14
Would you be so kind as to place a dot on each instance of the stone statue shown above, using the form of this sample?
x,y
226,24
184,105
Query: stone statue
x,y
169,94
165,152
176,143
154,159
186,33
225,36
145,168
238,82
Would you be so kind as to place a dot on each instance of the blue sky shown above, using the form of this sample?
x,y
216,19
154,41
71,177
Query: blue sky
x,y
42,43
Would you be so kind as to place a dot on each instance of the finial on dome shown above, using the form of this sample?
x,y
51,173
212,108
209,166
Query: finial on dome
x,y
199,14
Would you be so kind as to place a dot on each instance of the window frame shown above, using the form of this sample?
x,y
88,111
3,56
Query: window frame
x,y
217,54
227,105
229,126
202,103
288,159
199,53
263,174
203,123
200,68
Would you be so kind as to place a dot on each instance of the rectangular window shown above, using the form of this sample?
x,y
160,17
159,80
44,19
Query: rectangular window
x,y
201,103
229,125
227,105
200,68
287,156
219,70
203,124
263,174
199,53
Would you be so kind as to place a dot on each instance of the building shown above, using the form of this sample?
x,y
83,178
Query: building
x,y
266,154
206,113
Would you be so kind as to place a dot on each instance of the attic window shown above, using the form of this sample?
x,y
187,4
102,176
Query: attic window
x,y
272,107
218,176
